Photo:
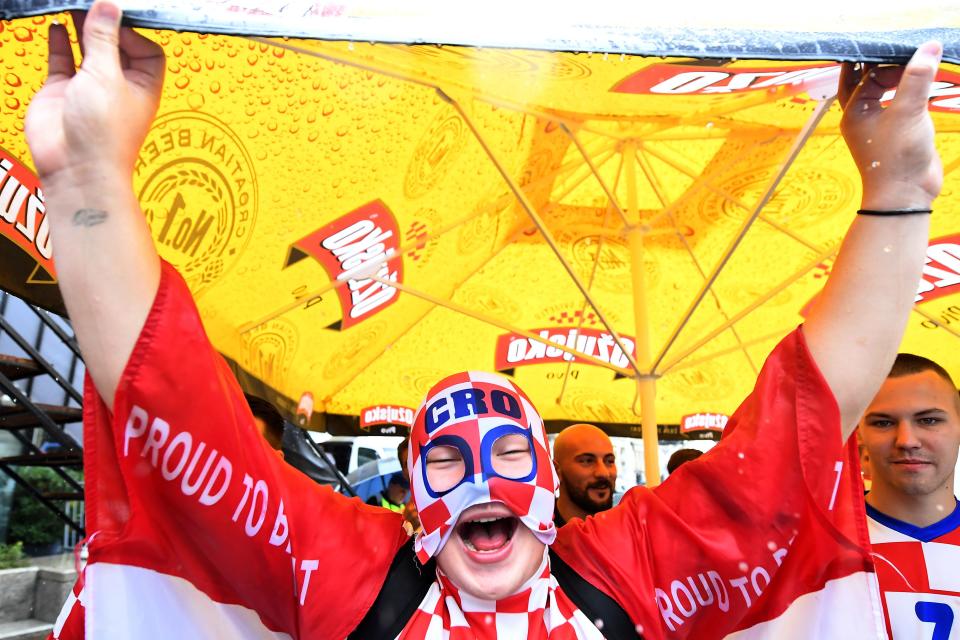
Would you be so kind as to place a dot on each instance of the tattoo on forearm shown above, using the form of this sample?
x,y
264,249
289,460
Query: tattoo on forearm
x,y
89,217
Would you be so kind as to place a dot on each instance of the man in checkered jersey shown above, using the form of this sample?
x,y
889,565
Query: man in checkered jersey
x,y
911,432
732,543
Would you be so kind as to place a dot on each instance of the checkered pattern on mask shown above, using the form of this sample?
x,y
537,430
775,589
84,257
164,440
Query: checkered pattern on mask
x,y
469,405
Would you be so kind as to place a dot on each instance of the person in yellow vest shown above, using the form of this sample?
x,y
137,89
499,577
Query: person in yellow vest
x,y
394,496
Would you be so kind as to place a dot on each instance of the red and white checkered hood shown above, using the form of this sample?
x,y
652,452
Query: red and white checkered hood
x,y
470,406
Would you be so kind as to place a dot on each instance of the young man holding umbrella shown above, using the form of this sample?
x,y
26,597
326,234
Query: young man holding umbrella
x,y
200,532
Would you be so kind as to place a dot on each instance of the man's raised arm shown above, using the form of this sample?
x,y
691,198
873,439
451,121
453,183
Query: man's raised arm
x,y
85,128
855,328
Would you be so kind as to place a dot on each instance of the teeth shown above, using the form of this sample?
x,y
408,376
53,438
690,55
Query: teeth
x,y
486,520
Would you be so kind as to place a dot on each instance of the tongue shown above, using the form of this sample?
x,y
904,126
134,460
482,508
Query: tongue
x,y
489,536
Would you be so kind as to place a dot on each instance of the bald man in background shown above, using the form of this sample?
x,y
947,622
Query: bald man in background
x,y
587,467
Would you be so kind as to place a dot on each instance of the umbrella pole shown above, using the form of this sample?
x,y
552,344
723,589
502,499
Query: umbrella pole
x,y
646,381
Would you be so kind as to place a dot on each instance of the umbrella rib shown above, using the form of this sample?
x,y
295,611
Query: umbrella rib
x,y
506,326
950,168
700,181
795,149
723,352
419,242
740,315
651,178
528,207
596,174
790,234
399,74
568,189
593,272
937,322
376,262
360,369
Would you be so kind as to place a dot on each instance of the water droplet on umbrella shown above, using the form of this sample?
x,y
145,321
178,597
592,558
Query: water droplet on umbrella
x,y
12,104
214,87
182,82
709,125
741,455
639,629
195,100
743,566
598,623
772,545
12,79
22,34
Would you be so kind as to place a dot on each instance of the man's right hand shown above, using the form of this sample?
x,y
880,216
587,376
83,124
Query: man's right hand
x,y
85,128
95,118
893,146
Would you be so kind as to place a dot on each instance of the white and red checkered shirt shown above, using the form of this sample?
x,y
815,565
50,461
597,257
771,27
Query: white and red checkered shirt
x,y
539,610
919,573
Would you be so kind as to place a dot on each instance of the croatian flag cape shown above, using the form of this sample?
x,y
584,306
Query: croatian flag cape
x,y
198,530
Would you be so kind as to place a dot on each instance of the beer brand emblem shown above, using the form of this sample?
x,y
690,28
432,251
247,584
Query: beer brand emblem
x,y
197,187
515,350
379,415
23,218
356,248
703,422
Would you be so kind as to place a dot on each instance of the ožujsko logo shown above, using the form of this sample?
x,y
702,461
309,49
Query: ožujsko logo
x,y
515,350
385,415
673,79
941,271
23,215
352,248
199,193
703,422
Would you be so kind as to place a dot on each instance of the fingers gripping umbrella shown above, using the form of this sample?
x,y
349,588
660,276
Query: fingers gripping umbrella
x,y
624,219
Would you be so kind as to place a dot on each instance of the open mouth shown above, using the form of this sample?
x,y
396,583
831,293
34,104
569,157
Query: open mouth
x,y
487,535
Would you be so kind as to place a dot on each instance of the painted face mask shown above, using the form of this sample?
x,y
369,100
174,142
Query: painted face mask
x,y
469,412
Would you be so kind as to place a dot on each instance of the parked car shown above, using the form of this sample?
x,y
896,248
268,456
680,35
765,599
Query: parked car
x,y
350,452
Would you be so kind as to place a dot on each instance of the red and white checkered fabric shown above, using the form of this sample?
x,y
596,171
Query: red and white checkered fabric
x,y
468,406
539,610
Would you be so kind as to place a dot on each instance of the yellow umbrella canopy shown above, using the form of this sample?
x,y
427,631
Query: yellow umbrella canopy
x,y
619,232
